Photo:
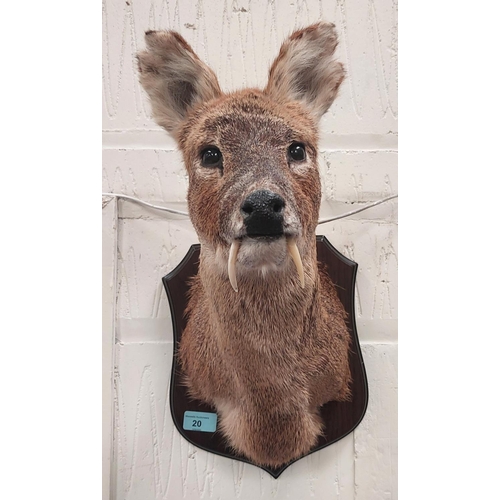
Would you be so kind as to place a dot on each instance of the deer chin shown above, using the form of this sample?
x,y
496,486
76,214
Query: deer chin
x,y
264,255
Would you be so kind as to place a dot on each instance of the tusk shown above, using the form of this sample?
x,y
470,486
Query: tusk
x,y
231,264
294,252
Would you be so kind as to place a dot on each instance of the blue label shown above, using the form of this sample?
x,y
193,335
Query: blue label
x,y
200,421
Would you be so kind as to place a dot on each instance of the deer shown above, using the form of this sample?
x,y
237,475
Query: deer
x,y
266,342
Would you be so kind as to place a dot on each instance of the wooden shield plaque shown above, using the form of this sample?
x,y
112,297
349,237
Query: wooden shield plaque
x,y
340,418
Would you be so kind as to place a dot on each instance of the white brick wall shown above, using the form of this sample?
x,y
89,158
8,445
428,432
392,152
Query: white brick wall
x,y
239,39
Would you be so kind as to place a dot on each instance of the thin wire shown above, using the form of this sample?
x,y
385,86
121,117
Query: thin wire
x,y
366,207
146,204
179,212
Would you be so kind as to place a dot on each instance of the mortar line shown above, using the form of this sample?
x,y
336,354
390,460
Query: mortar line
x,y
157,139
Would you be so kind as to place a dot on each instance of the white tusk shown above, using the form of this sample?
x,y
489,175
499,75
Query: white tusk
x,y
294,252
231,264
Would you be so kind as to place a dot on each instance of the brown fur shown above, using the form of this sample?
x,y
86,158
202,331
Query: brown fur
x,y
268,356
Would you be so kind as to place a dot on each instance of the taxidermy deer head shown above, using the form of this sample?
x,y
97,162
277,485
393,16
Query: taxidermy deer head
x,y
266,342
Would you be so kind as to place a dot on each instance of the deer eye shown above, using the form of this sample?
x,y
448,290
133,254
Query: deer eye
x,y
297,151
211,157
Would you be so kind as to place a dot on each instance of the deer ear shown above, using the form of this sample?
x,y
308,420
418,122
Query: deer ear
x,y
174,78
305,69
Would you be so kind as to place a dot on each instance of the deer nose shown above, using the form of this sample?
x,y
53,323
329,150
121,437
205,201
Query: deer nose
x,y
262,213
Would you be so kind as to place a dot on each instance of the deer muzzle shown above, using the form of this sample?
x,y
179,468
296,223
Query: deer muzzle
x,y
263,220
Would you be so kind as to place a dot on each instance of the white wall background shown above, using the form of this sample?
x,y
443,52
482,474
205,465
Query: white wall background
x,y
145,457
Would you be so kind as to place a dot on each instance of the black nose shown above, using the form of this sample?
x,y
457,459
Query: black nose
x,y
263,213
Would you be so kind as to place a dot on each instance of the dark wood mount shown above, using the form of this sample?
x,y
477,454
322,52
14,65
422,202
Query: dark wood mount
x,y
340,418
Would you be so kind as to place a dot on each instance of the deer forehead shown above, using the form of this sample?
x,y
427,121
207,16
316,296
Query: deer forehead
x,y
248,121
